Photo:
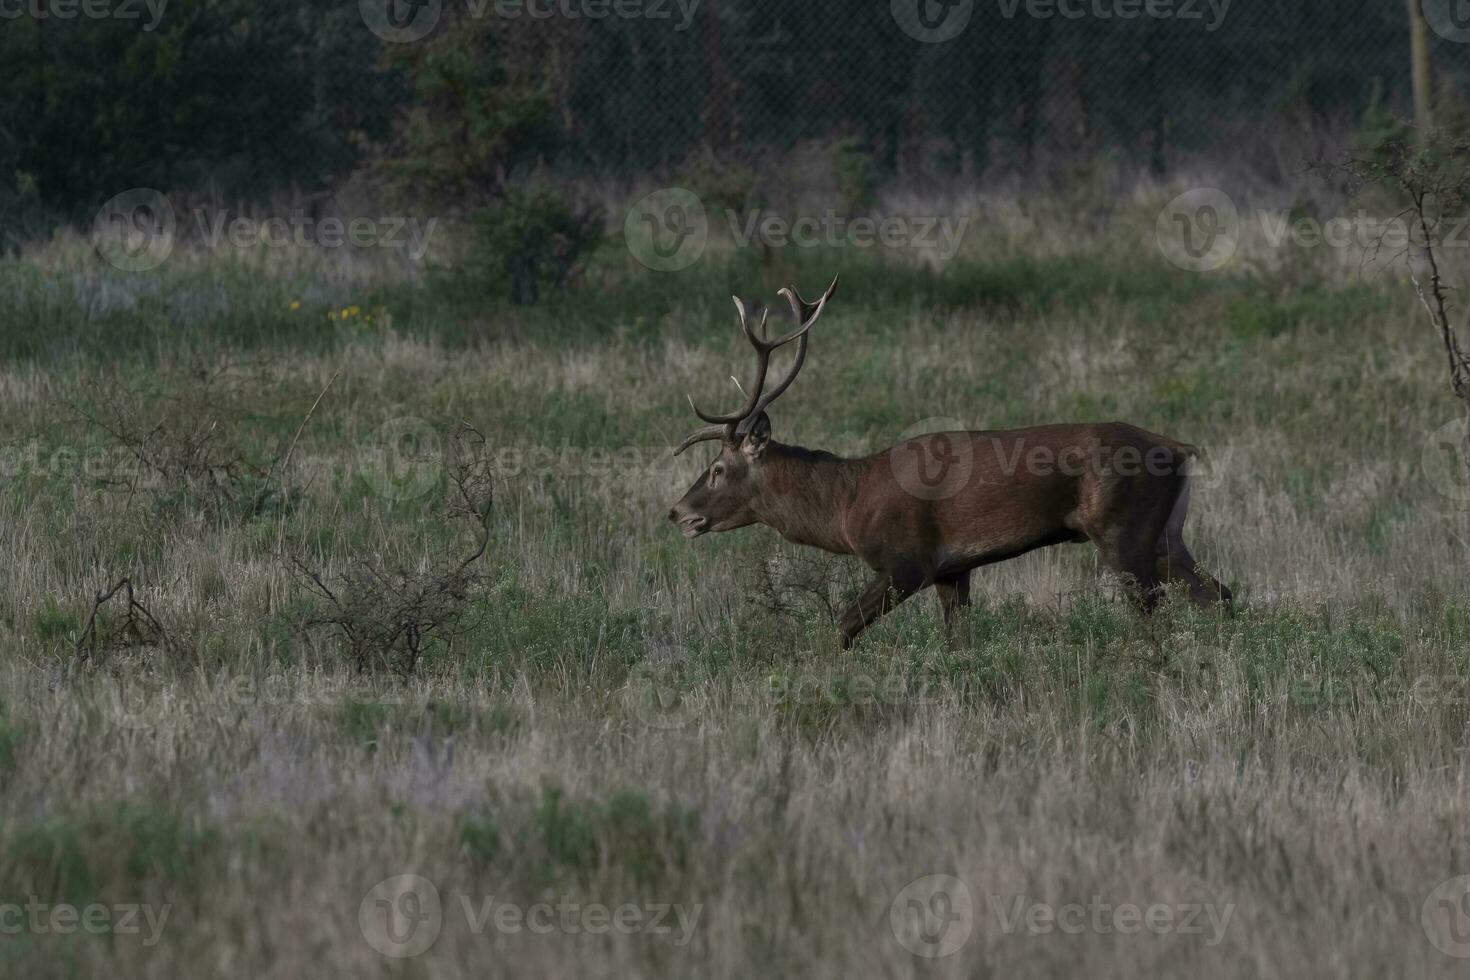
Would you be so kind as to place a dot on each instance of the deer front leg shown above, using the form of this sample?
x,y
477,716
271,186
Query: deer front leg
x,y
954,597
882,594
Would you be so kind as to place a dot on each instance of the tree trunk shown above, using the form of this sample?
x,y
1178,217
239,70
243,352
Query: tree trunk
x,y
717,111
1419,54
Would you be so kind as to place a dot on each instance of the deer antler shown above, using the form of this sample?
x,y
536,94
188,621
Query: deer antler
x,y
763,363
736,425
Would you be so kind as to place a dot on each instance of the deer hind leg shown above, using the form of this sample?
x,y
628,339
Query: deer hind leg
x,y
878,599
1129,547
1135,564
954,597
1174,563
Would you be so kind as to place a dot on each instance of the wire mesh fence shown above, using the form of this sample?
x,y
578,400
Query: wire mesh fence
x,y
251,99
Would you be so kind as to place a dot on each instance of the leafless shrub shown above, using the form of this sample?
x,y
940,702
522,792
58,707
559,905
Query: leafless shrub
x,y
387,613
189,439
797,585
138,629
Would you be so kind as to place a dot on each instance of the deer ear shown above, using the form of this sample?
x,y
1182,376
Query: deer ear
x,y
757,438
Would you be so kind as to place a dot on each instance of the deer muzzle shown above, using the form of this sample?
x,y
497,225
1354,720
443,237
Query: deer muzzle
x,y
690,525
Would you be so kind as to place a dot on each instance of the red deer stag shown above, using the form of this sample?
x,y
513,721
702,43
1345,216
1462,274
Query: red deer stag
x,y
997,495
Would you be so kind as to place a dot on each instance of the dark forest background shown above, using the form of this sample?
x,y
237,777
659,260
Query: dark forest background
x,y
247,99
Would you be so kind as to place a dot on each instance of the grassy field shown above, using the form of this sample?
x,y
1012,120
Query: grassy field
x,y
630,755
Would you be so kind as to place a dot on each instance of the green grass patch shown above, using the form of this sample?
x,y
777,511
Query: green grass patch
x,y
365,721
81,857
625,831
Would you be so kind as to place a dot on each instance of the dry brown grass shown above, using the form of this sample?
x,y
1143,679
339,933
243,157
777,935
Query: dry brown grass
x,y
618,724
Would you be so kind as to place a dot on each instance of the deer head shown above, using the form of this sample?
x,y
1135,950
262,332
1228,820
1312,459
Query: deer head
x,y
722,498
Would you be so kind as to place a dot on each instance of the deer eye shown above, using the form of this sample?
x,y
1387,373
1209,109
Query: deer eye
x,y
715,472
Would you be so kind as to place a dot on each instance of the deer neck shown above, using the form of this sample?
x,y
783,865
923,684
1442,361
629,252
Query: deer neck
x,y
806,495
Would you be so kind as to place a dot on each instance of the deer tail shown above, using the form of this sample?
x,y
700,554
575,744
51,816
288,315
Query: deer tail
x,y
1188,456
